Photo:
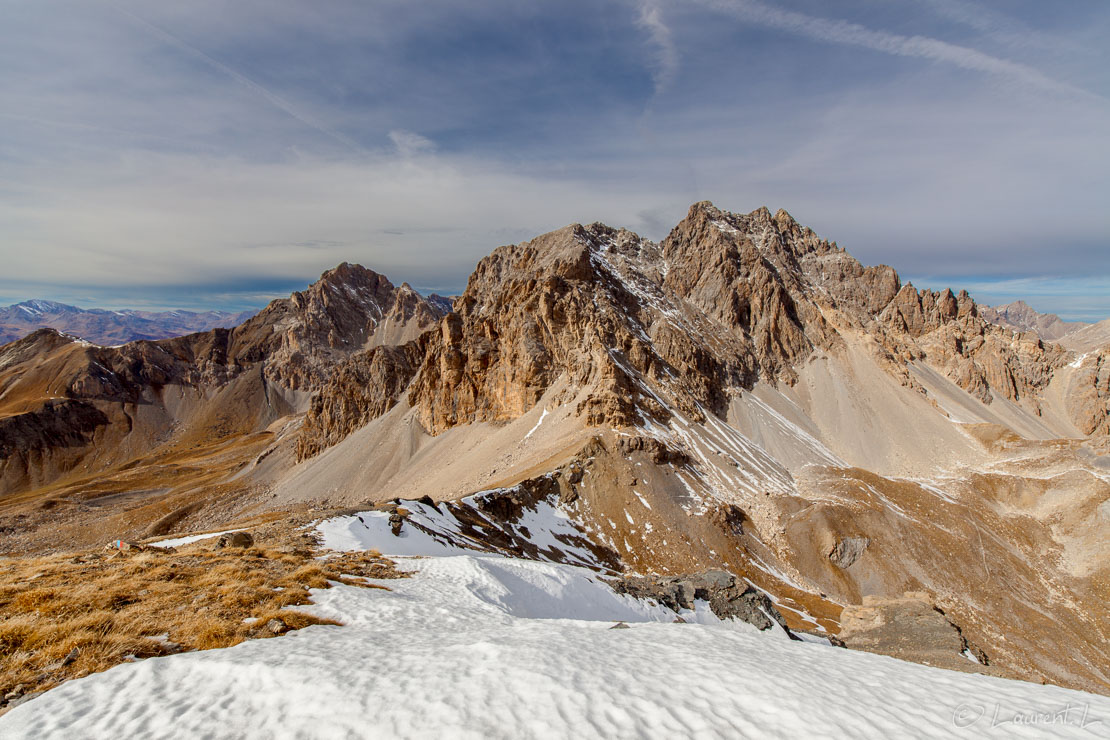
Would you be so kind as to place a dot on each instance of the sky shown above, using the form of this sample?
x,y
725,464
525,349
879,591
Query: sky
x,y
214,154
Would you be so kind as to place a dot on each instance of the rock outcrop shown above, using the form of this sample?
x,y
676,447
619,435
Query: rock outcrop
x,y
532,314
360,389
348,309
727,596
912,628
847,551
1089,399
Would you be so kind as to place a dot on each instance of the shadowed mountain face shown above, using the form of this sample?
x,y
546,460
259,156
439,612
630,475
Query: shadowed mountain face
x,y
109,327
743,395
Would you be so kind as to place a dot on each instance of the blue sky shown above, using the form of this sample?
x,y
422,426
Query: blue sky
x,y
218,154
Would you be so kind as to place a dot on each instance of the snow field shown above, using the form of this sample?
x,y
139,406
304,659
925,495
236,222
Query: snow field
x,y
480,646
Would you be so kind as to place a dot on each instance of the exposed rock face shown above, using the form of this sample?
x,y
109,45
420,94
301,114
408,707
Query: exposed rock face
x,y
58,425
919,313
723,301
659,452
742,274
715,306
982,358
360,389
911,628
531,314
1089,400
1020,316
987,361
300,338
728,597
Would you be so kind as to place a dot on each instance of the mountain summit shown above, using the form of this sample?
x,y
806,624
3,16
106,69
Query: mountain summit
x,y
1020,316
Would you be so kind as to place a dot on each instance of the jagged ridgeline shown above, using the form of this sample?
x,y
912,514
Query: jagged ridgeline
x,y
742,395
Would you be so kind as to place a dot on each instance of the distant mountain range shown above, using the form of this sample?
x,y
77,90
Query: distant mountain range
x,y
1021,316
106,327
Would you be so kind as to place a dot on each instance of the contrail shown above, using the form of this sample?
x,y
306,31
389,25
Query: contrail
x,y
920,47
274,99
997,25
80,125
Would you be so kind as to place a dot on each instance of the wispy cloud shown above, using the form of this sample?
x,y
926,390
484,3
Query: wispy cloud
x,y
920,47
424,219
409,143
269,96
665,57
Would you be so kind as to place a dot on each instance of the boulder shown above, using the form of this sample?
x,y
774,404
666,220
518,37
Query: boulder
x,y
847,551
236,539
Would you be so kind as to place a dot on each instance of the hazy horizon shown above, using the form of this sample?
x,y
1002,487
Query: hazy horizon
x,y
1043,295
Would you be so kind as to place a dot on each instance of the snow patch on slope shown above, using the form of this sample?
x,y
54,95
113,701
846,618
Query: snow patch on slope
x,y
443,530
533,429
189,539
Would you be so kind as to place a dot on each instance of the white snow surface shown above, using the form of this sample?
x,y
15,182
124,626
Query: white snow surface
x,y
488,647
441,533
1078,361
188,539
533,429
370,530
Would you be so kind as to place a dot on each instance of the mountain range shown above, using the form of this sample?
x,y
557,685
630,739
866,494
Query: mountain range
x,y
893,468
108,327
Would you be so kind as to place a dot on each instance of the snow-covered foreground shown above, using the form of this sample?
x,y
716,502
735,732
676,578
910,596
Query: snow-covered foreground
x,y
490,647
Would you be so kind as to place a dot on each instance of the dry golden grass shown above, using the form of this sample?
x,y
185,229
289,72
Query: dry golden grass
x,y
67,616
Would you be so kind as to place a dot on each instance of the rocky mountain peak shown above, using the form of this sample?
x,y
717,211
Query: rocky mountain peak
x,y
38,307
347,284
350,308
725,300
38,343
